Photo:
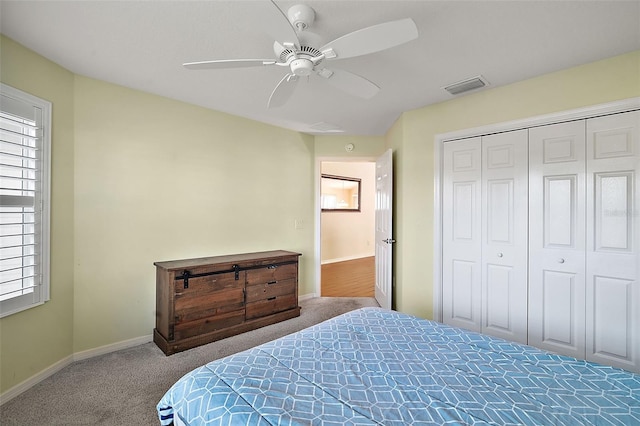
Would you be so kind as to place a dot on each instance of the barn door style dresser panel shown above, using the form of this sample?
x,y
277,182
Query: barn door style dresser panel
x,y
202,300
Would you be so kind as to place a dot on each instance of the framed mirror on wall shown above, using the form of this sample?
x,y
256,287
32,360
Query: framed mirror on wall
x,y
339,193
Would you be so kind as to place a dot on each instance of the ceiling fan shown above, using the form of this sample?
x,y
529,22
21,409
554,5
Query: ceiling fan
x,y
302,53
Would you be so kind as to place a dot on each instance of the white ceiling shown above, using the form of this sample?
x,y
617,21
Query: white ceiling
x,y
142,45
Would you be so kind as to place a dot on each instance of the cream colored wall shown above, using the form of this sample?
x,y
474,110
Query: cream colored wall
x,y
350,235
332,147
159,180
32,340
413,136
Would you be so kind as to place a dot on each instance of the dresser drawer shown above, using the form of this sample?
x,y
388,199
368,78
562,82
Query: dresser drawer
x,y
271,274
219,321
271,306
259,292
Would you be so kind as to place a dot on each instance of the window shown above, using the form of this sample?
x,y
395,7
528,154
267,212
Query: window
x,y
24,200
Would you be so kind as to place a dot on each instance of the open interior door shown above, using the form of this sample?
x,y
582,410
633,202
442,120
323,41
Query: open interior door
x,y
384,229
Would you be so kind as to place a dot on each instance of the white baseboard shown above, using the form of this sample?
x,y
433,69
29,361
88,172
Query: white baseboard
x,y
306,296
35,379
102,350
345,259
68,360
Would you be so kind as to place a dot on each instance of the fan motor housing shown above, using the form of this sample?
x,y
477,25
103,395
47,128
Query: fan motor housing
x,y
301,66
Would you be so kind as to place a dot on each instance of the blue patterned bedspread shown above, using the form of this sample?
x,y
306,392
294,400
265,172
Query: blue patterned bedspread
x,y
373,366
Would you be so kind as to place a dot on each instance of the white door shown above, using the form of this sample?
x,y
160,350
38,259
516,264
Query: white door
x,y
384,230
504,235
613,237
557,238
461,234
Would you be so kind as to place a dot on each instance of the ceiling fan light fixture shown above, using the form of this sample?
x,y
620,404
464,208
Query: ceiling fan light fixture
x,y
302,52
467,85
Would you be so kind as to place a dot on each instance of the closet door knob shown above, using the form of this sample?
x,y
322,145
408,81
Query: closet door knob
x,y
561,260
500,254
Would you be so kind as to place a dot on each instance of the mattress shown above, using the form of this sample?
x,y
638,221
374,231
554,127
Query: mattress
x,y
375,366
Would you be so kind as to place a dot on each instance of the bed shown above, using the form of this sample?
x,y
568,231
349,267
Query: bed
x,y
375,366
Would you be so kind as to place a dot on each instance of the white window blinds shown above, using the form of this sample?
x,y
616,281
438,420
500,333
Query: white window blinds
x,y
24,200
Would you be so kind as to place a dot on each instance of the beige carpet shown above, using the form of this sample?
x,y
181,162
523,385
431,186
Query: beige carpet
x,y
123,387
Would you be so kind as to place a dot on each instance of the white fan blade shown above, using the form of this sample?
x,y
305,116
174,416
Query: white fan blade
x,y
283,91
278,49
277,25
350,83
372,39
228,63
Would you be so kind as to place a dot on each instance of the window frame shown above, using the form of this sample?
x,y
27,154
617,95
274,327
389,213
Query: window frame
x,y
324,178
23,302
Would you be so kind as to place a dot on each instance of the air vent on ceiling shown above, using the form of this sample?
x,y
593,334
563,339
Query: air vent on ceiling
x,y
466,85
325,127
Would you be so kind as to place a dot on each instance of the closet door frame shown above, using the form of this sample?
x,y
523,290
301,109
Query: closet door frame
x,y
542,120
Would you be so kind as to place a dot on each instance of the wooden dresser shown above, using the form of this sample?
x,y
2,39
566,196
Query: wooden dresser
x,y
202,300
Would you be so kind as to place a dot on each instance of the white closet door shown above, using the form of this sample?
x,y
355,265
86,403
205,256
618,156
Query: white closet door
x,y
557,238
504,235
613,237
461,234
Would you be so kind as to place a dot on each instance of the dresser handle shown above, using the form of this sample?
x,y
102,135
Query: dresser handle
x,y
185,277
272,282
272,298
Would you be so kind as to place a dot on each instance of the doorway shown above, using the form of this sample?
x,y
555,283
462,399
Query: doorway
x,y
347,237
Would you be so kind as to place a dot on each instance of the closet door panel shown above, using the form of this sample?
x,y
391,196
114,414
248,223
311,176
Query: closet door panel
x,y
461,234
613,237
612,312
504,235
499,284
613,203
556,238
558,294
